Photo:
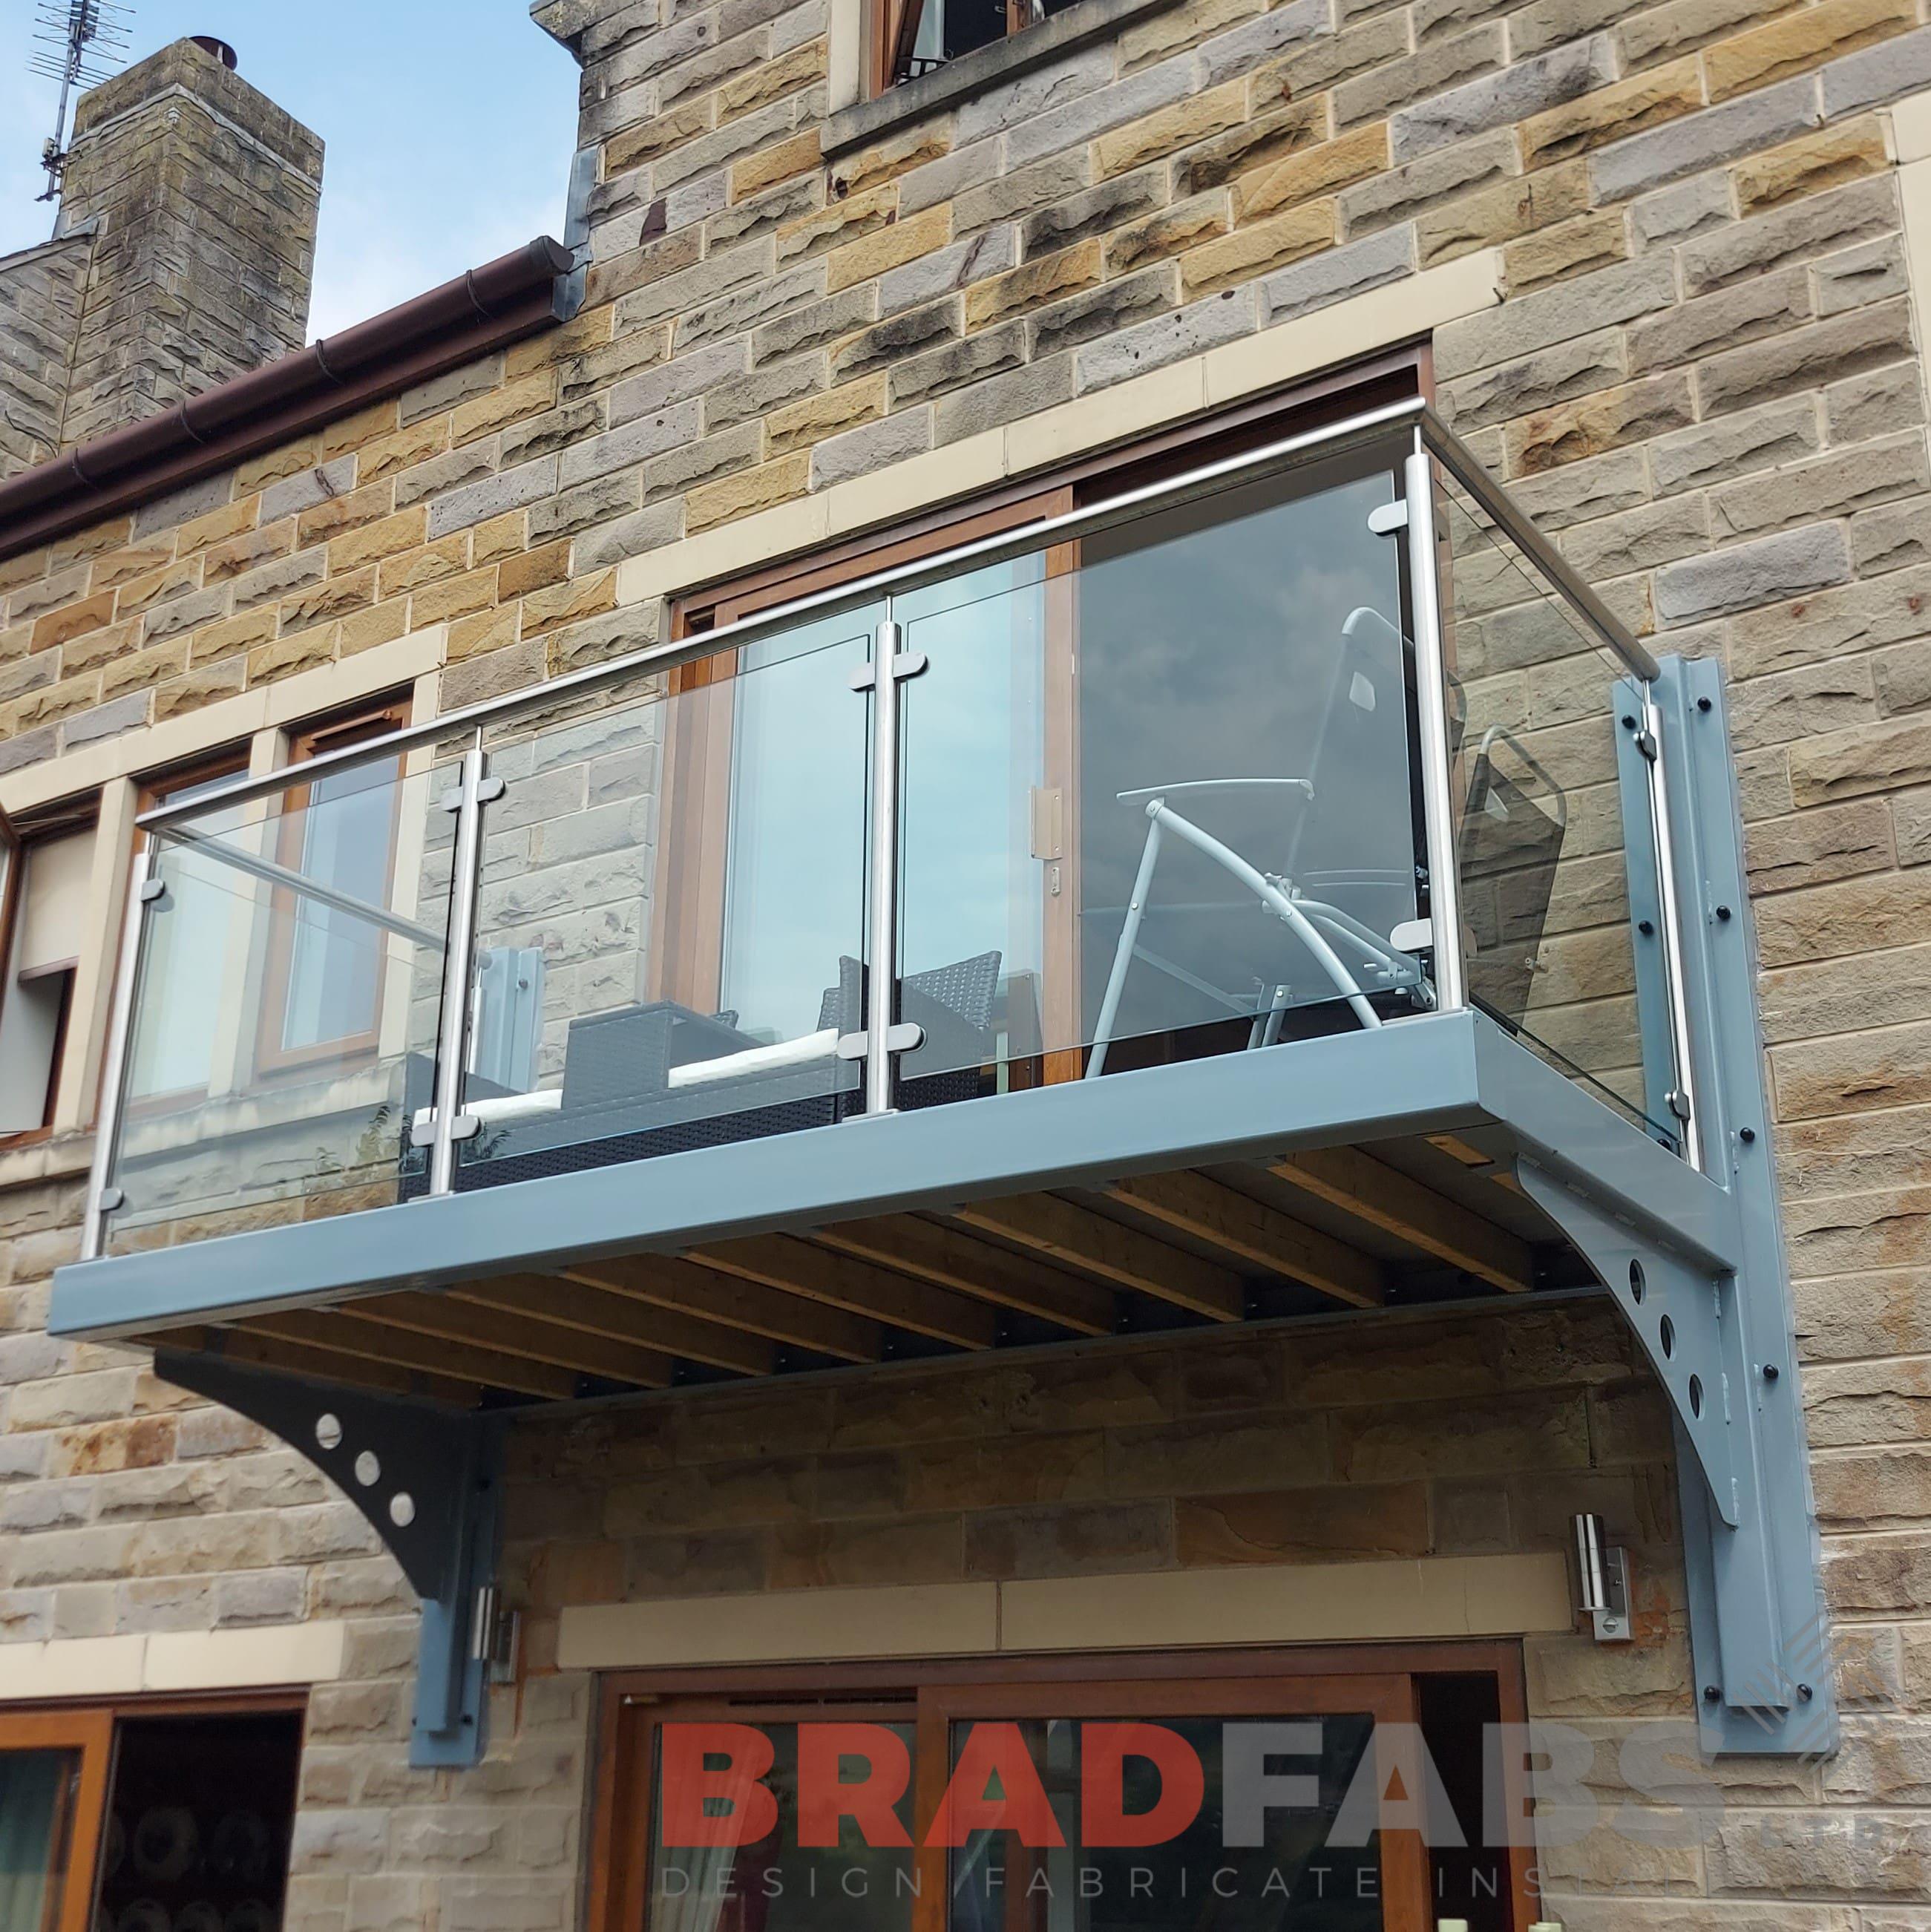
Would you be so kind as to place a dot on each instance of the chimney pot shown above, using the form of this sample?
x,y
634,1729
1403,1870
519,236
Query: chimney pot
x,y
220,49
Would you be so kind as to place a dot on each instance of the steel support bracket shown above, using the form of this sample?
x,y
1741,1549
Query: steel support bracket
x,y
1721,1342
429,1480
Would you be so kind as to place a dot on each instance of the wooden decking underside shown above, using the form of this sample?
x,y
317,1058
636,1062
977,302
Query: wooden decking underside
x,y
1395,1224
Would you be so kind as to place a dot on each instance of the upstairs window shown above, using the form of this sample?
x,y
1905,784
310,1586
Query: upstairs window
x,y
336,837
914,37
43,881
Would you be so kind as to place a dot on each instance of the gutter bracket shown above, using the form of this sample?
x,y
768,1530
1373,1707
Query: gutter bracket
x,y
1721,1340
429,1480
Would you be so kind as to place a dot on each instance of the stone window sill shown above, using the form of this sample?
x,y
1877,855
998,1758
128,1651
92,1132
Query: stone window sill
x,y
974,72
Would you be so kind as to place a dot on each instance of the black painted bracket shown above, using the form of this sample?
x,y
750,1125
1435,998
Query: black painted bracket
x,y
430,1480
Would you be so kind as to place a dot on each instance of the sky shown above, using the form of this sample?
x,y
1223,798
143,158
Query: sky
x,y
449,124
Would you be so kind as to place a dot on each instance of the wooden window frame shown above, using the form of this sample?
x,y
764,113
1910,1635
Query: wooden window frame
x,y
688,901
891,27
91,1728
273,1060
89,1734
1384,1680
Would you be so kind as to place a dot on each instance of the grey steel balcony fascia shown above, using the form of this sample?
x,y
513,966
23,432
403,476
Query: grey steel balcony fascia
x,y
1431,1074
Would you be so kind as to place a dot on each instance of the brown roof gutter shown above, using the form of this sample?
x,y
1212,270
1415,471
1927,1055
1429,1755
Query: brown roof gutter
x,y
502,301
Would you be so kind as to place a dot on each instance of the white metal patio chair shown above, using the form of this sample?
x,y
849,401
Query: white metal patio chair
x,y
1356,960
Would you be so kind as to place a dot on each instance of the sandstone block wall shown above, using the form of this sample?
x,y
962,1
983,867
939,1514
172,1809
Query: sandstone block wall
x,y
1707,379
41,291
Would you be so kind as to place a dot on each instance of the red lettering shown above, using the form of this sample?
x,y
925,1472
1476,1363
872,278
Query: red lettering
x,y
824,1799
687,1786
1104,1750
995,1750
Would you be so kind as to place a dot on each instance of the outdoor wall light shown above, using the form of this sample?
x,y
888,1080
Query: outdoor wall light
x,y
1604,1575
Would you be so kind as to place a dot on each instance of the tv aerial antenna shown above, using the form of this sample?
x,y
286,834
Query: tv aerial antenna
x,y
79,44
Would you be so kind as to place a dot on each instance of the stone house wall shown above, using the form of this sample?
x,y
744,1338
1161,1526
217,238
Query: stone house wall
x,y
41,294
1706,378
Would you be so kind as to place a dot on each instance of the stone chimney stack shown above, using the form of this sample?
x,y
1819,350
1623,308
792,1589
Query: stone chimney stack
x,y
202,195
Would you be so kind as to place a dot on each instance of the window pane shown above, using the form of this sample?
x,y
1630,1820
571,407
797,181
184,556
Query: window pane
x,y
772,1882
345,839
1256,1851
198,1825
184,967
36,1818
48,939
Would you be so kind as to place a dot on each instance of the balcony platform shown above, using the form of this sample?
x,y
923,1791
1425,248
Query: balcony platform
x,y
1369,1169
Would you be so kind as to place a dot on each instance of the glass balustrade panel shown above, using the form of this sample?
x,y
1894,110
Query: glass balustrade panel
x,y
1159,795
1550,938
671,921
288,993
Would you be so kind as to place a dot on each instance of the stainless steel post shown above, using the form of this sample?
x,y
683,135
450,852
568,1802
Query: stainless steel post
x,y
143,891
882,946
1444,879
1683,1099
453,1024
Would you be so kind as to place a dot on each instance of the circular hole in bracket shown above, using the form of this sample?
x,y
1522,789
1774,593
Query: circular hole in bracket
x,y
402,1509
1695,1395
1669,1333
1637,1285
368,1470
328,1431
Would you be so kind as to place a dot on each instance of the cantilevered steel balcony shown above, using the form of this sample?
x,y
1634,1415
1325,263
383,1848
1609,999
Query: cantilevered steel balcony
x,y
1282,887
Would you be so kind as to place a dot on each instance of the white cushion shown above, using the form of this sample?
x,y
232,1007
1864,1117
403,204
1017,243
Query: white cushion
x,y
799,1052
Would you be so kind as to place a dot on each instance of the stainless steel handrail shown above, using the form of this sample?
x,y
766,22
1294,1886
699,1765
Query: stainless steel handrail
x,y
1460,463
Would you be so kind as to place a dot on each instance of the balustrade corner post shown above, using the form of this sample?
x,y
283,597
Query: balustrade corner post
x,y
102,1197
1682,1099
1438,808
452,1032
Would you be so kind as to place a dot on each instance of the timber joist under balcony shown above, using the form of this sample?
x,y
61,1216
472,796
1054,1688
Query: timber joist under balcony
x,y
1401,1224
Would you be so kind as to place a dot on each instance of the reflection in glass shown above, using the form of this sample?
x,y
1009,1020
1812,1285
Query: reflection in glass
x,y
284,1024
1233,666
36,1800
185,968
1545,874
1202,1878
344,841
671,923
795,888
